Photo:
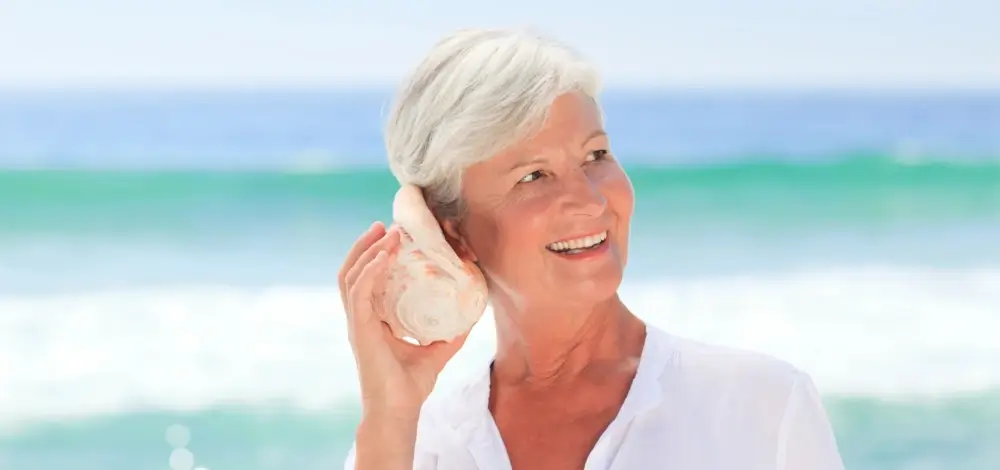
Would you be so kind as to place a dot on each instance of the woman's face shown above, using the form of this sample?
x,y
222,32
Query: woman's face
x,y
548,219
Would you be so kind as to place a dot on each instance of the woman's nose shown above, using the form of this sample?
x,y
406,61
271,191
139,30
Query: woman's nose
x,y
583,194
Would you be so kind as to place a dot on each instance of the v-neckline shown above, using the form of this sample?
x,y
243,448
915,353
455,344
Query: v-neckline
x,y
490,452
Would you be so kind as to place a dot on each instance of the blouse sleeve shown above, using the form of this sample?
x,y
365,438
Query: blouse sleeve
x,y
351,458
806,440
421,461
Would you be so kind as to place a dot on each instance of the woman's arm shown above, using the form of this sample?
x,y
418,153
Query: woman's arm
x,y
806,439
395,377
384,441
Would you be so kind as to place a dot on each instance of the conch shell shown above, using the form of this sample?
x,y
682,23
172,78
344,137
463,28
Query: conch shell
x,y
431,294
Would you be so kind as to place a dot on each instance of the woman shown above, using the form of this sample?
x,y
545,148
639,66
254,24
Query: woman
x,y
504,132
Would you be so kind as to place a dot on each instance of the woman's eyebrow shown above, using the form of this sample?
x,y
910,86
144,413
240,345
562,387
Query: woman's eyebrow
x,y
594,135
524,163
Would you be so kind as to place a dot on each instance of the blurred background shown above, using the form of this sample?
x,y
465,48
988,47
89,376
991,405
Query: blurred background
x,y
179,182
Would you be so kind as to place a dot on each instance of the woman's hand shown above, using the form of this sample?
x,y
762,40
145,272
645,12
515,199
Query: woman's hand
x,y
396,377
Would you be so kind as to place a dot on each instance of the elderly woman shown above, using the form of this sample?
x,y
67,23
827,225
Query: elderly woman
x,y
503,131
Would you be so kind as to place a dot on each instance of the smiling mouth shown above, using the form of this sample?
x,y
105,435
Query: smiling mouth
x,y
578,245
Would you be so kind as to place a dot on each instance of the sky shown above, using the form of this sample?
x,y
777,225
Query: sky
x,y
661,44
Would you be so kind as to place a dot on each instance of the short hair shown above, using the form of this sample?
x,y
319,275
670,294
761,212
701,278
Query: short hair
x,y
477,92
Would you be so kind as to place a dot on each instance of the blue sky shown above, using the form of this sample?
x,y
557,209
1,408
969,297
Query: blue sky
x,y
702,43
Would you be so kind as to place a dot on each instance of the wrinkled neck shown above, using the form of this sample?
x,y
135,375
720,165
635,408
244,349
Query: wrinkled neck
x,y
548,344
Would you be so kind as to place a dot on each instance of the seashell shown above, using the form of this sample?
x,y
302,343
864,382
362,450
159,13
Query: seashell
x,y
431,293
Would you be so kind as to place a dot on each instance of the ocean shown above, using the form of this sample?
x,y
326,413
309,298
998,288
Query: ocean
x,y
168,260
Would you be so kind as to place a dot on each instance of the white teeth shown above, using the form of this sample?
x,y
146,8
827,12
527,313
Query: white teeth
x,y
579,243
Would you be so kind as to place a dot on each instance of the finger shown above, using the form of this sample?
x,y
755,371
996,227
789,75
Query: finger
x,y
362,310
379,283
374,232
388,242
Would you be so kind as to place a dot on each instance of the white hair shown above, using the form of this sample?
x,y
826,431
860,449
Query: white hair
x,y
476,93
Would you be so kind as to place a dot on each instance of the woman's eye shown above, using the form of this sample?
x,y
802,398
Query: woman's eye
x,y
597,155
534,175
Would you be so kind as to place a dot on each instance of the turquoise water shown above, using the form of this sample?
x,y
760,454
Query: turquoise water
x,y
169,259
959,433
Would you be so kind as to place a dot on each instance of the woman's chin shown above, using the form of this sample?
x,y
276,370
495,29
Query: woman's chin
x,y
591,289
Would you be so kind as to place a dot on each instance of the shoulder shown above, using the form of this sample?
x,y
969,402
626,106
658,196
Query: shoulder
x,y
706,371
726,359
760,408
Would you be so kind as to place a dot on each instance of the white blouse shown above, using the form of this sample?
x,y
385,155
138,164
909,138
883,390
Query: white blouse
x,y
691,406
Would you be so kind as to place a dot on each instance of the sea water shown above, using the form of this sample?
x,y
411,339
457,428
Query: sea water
x,y
168,260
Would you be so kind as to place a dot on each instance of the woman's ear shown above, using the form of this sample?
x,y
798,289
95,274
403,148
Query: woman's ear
x,y
458,242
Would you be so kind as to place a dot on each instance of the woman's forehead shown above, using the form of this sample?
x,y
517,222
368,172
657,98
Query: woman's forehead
x,y
572,117
573,120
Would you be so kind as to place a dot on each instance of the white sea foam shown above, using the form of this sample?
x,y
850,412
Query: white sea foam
x,y
876,331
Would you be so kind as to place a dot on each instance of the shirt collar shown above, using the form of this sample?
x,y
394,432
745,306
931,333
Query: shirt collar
x,y
466,409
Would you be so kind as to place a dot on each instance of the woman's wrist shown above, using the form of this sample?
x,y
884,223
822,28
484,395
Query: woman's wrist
x,y
386,440
385,416
379,409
